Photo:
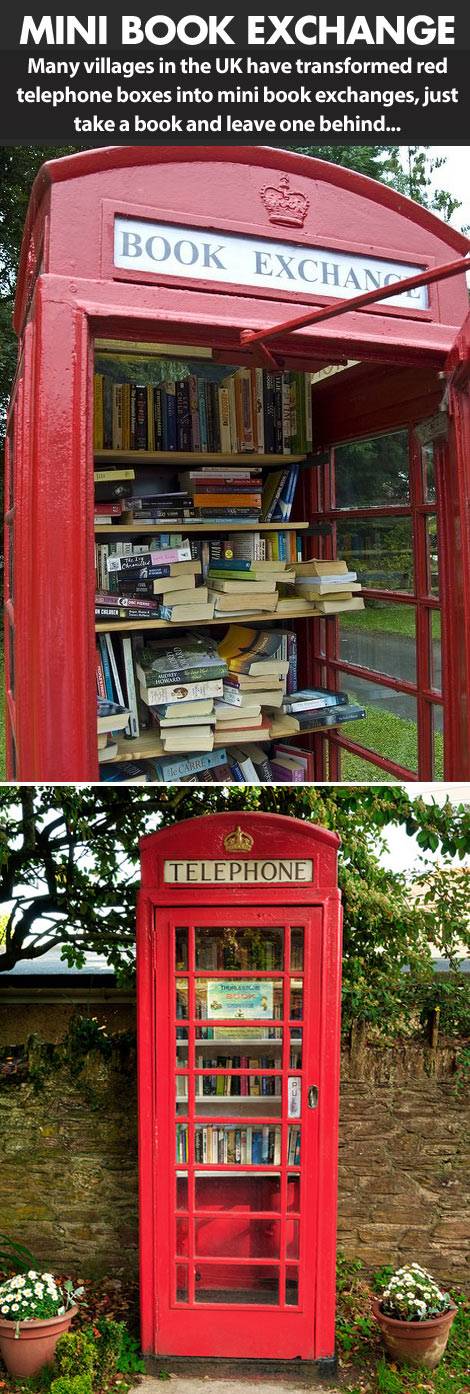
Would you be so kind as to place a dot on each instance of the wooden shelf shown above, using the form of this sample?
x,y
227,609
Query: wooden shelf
x,y
195,457
252,617
166,525
148,746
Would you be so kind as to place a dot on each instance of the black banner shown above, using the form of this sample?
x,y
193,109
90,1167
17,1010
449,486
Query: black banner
x,y
255,79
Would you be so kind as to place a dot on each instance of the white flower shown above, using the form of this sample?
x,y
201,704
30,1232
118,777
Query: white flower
x,y
39,1289
32,1273
28,1292
20,1282
15,1307
4,1308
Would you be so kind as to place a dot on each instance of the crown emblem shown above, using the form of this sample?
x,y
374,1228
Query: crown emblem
x,y
284,206
238,841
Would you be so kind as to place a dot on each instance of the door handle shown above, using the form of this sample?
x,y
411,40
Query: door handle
x,y
312,1096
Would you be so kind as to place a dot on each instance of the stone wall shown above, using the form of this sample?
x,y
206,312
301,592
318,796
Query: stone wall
x,y
68,1184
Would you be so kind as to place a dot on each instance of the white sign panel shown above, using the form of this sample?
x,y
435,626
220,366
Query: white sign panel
x,y
228,259
232,872
245,1000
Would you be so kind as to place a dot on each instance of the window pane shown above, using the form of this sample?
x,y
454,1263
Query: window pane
x,y
373,472
438,743
382,638
293,1192
181,1283
243,1283
239,999
230,1145
292,1287
391,725
241,1193
181,1047
432,555
223,1236
297,949
436,657
429,479
380,550
182,997
181,950
356,771
296,1048
240,949
181,1193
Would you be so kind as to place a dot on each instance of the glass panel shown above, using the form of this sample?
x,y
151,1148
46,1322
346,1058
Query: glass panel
x,y
182,1238
297,949
226,1088
182,1082
432,555
391,726
229,1145
181,1142
182,1046
239,999
380,550
436,656
292,1238
429,475
237,1284
293,1155
373,472
438,743
241,949
296,1048
292,1287
296,999
181,1283
382,638
181,1193
241,1193
354,770
293,1193
182,997
224,1237
181,950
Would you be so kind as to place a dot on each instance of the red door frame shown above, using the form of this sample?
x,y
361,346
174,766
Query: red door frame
x,y
273,837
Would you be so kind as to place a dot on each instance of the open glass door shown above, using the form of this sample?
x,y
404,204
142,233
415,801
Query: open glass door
x,y
236,1095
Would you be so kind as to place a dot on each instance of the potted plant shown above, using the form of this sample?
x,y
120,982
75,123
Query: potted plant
x,y
415,1317
34,1311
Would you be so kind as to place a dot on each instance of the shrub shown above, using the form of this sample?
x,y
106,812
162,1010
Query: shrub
x,y
72,1384
412,1295
76,1354
107,1347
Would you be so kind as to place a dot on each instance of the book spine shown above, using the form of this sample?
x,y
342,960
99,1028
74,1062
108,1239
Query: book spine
x,y
194,413
201,396
114,669
278,414
224,413
170,404
100,682
157,415
133,728
108,681
141,435
179,416
98,417
108,413
179,769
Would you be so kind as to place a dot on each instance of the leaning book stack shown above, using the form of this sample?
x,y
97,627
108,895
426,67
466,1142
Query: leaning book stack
x,y
329,585
180,685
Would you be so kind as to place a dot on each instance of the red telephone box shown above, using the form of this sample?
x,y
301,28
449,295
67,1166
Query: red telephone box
x,y
120,247
238,952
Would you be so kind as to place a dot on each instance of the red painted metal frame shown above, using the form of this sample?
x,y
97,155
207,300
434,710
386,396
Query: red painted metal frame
x,y
266,1332
68,303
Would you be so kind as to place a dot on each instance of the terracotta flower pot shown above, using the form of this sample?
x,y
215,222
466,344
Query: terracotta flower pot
x,y
415,1342
35,1346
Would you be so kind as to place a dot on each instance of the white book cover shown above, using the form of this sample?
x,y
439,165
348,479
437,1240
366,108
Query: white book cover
x,y
134,727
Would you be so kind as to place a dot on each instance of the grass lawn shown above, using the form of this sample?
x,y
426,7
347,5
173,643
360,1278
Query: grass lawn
x,y
391,736
388,619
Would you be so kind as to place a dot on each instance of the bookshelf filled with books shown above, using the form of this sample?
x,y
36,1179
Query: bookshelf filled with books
x,y
200,522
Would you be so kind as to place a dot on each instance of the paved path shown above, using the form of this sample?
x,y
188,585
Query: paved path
x,y
240,1384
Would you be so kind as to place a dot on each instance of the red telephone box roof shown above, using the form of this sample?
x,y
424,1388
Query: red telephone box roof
x,y
273,834
346,209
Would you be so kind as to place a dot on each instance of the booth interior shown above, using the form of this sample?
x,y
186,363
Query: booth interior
x,y
267,550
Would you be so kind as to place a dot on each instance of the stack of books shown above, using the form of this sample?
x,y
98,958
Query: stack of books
x,y
314,707
218,497
164,584
112,718
257,668
329,585
180,684
237,586
244,410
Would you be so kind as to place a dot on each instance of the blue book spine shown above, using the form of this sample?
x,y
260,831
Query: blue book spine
x,y
283,507
237,771
108,679
178,769
257,1146
231,564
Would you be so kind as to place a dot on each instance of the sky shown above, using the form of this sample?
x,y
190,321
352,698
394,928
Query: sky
x,y
403,852
455,176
